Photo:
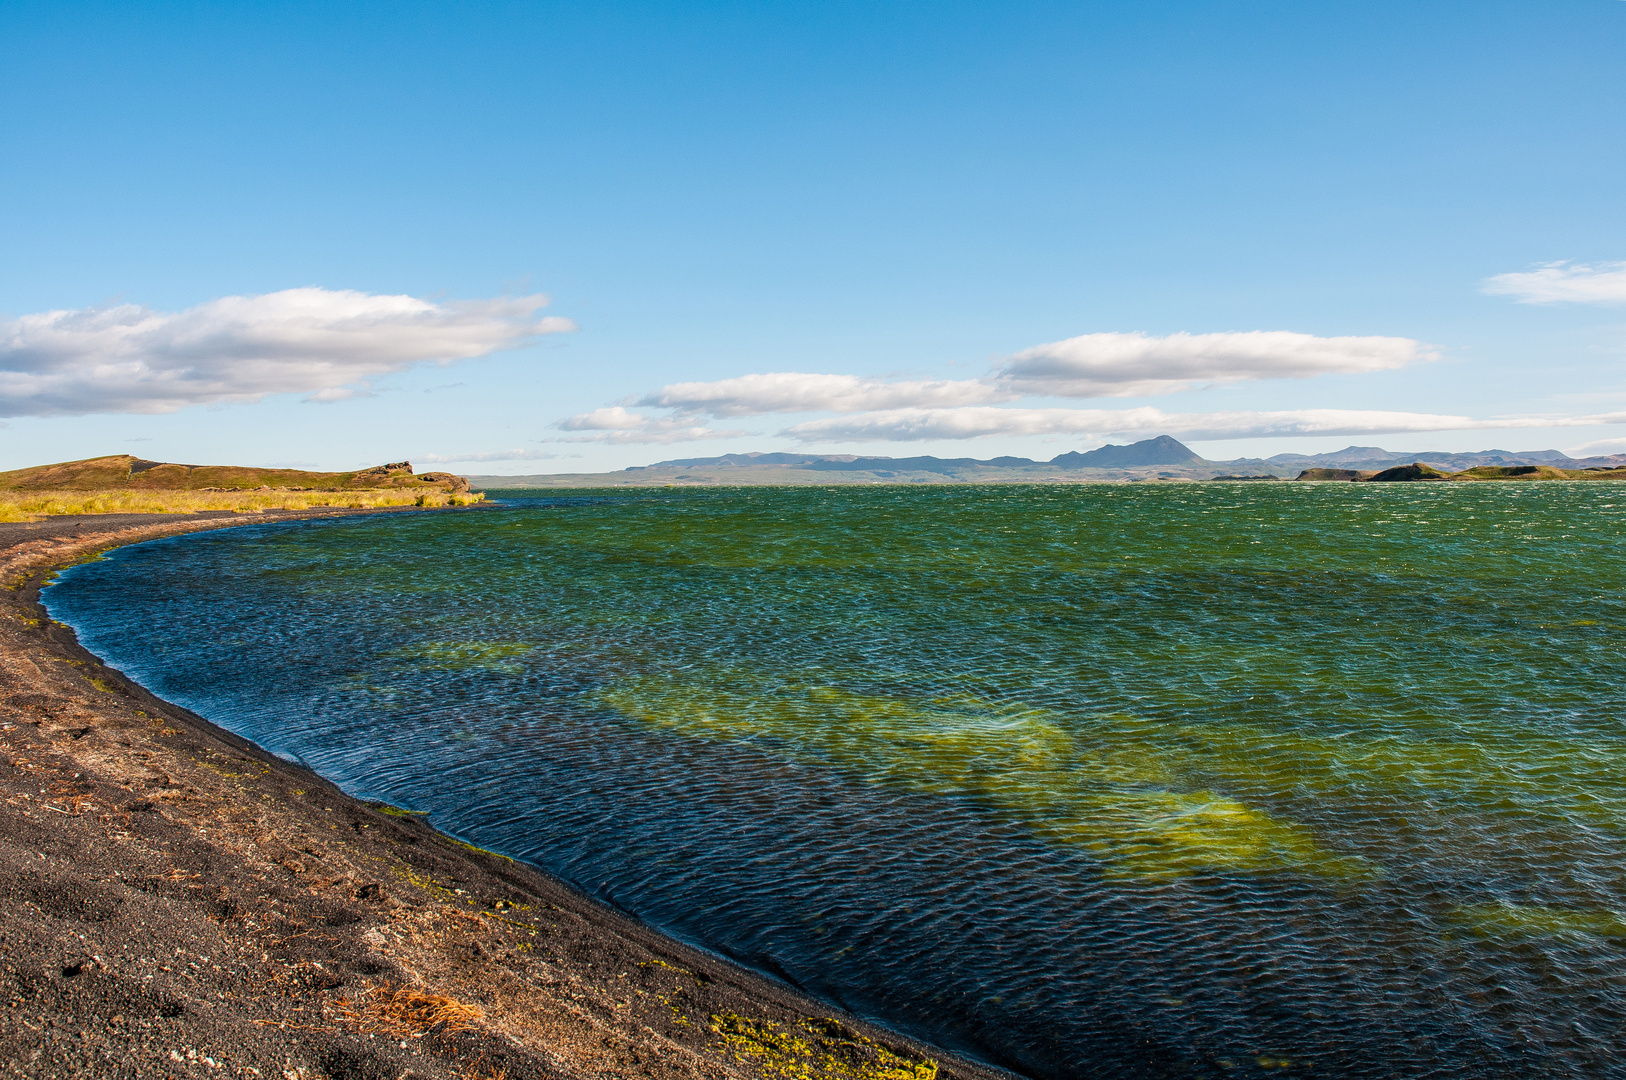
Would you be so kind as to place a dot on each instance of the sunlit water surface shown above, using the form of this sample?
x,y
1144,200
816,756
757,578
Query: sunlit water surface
x,y
1128,781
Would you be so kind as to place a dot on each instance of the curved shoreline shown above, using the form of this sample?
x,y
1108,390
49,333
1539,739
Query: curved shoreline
x,y
186,903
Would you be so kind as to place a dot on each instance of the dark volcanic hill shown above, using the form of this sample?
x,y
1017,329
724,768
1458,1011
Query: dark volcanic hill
x,y
1159,451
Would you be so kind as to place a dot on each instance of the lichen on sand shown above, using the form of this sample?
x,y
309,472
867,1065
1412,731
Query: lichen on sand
x,y
815,1049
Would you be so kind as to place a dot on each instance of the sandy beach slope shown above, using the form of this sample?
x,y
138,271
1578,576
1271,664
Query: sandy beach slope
x,y
179,903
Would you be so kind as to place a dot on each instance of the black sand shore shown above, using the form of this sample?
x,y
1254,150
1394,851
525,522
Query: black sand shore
x,y
179,902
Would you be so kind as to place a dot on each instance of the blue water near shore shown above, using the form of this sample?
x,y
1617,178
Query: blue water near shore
x,y
1132,781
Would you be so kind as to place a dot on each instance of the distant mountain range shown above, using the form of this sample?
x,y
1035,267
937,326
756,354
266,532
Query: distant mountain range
x,y
1151,459
1161,451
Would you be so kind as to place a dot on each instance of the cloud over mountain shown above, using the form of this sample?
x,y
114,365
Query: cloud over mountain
x,y
1093,365
1563,283
320,342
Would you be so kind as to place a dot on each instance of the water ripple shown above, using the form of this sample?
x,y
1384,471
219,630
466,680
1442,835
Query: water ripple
x,y
1196,781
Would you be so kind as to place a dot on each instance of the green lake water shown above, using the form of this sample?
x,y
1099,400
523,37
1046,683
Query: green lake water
x,y
1107,780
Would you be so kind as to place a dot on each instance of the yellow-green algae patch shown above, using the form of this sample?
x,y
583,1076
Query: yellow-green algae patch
x,y
1520,921
815,1049
1113,795
1153,797
396,811
478,850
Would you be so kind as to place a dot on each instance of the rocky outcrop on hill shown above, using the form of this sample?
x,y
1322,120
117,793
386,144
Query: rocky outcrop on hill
x,y
400,474
1348,475
1415,471
1418,470
1519,472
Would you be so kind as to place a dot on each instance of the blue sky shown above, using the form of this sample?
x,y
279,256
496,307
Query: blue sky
x,y
923,228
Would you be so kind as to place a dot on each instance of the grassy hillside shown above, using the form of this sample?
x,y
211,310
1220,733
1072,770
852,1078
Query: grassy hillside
x,y
122,472
122,484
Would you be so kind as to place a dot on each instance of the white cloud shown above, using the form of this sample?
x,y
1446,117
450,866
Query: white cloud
x,y
796,391
1094,365
619,425
341,393
1601,448
1563,283
490,455
1136,365
906,425
321,342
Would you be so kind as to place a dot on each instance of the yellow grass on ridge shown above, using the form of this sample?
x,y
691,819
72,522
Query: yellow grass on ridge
x,y
28,505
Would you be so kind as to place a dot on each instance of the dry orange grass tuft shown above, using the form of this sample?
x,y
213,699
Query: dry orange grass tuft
x,y
479,1070
403,1012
